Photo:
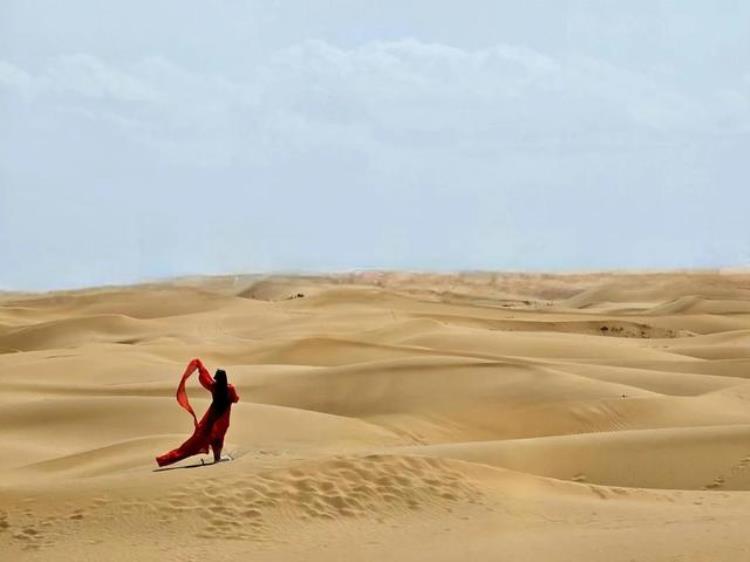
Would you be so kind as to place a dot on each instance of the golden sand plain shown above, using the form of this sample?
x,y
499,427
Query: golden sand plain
x,y
383,416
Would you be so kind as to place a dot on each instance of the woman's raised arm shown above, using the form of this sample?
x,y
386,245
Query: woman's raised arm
x,y
233,396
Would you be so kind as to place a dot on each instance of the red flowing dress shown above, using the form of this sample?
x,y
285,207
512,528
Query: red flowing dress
x,y
212,427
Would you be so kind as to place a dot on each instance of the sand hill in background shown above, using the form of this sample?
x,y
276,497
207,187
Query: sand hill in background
x,y
383,416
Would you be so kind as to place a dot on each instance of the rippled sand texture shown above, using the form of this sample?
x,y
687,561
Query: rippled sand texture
x,y
383,416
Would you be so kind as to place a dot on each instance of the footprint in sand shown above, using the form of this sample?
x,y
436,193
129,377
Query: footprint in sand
x,y
717,483
30,536
720,480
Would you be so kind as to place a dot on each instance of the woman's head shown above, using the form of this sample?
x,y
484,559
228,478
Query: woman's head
x,y
221,377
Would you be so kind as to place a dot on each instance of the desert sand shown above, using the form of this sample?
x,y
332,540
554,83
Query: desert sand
x,y
383,416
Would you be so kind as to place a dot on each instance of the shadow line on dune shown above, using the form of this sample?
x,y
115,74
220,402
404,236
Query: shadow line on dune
x,y
197,465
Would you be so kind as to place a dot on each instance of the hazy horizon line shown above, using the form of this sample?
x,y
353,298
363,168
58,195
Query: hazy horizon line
x,y
333,272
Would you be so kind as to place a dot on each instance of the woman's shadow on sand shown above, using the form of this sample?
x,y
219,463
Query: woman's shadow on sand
x,y
200,464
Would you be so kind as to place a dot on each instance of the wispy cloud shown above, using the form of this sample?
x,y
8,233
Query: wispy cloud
x,y
392,153
401,93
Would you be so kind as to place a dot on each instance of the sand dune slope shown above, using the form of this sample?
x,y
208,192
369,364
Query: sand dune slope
x,y
403,416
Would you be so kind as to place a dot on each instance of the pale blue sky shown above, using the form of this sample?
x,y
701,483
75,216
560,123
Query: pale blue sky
x,y
148,139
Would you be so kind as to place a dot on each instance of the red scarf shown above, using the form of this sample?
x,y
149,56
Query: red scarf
x,y
205,379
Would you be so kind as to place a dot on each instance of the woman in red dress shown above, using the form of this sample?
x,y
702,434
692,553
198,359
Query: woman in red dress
x,y
214,423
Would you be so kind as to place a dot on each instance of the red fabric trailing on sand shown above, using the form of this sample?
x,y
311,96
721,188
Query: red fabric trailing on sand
x,y
212,427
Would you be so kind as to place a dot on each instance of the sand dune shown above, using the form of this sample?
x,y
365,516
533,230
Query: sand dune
x,y
717,457
383,415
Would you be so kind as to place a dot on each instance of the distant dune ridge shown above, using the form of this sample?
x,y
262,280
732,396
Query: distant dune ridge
x,y
384,415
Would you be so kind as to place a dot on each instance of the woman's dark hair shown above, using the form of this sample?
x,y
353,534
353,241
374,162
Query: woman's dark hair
x,y
220,392
221,377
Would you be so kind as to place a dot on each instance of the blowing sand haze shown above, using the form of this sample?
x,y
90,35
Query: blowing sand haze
x,y
384,416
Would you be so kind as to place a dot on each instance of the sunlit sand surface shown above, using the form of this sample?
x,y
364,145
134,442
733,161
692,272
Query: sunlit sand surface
x,y
383,416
